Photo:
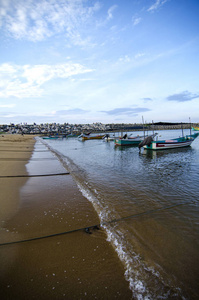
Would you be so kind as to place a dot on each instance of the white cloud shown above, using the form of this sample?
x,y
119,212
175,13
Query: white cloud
x,y
138,55
7,105
37,20
136,21
26,80
125,58
110,12
7,70
156,5
138,58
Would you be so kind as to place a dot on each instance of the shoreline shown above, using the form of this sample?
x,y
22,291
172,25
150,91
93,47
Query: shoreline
x,y
77,265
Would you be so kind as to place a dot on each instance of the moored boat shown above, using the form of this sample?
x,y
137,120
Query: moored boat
x,y
195,128
72,135
128,141
52,137
180,142
90,136
108,137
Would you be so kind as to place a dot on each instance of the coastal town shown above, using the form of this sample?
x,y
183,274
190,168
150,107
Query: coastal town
x,y
76,129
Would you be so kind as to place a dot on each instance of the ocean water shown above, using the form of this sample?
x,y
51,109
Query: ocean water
x,y
148,203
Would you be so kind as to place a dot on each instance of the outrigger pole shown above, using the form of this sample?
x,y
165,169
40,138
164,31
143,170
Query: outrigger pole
x,y
190,124
143,126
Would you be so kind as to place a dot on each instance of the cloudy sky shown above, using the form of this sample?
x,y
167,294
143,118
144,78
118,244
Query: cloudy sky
x,y
109,61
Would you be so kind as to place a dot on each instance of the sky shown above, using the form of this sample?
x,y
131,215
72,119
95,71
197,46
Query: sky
x,y
108,61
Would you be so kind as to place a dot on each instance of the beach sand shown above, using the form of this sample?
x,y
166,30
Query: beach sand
x,y
74,265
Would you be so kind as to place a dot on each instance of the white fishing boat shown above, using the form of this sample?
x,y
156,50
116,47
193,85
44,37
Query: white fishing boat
x,y
180,142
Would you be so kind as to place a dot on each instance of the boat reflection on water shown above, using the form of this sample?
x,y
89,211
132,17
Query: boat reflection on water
x,y
155,154
123,148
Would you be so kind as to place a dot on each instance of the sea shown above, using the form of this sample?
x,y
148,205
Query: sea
x,y
148,204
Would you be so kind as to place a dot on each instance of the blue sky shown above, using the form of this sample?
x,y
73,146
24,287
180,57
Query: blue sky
x,y
85,61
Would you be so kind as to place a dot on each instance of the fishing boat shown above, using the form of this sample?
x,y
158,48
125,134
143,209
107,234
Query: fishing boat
x,y
180,142
52,137
72,135
128,141
90,136
195,128
108,137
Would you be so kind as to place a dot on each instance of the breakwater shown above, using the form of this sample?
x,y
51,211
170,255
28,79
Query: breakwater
x,y
72,130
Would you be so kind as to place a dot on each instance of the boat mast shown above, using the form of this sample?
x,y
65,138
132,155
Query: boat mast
x,y
143,126
182,130
153,127
190,124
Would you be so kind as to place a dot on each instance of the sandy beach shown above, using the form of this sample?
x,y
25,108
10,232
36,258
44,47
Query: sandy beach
x,y
75,265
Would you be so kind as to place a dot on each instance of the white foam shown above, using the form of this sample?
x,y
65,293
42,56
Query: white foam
x,y
137,286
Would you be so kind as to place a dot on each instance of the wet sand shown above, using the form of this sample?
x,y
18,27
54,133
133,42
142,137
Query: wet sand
x,y
74,265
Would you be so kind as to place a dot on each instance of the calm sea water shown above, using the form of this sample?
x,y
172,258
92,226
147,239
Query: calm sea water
x,y
148,203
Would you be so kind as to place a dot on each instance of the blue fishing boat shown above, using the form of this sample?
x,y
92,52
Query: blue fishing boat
x,y
52,137
129,141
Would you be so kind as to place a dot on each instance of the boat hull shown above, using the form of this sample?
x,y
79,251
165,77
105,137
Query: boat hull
x,y
173,143
91,137
52,137
127,142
